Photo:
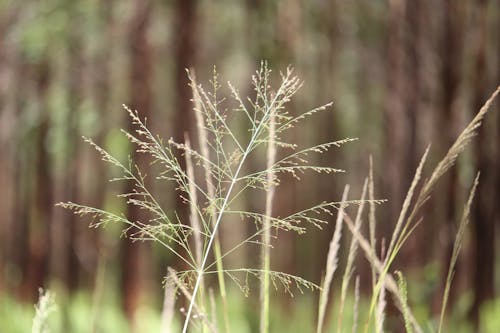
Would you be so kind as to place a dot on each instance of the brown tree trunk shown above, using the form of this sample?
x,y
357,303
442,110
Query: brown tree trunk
x,y
451,55
185,58
18,228
402,107
93,183
327,126
483,216
64,261
140,100
415,19
397,127
35,270
8,67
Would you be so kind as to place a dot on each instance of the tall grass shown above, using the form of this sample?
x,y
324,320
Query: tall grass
x,y
222,156
217,174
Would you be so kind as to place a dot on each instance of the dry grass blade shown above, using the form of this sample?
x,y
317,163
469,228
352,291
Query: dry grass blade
x,y
398,234
456,250
379,314
380,310
193,205
381,297
353,249
355,309
194,215
198,312
375,262
167,313
371,216
331,263
403,291
44,307
404,226
401,231
463,139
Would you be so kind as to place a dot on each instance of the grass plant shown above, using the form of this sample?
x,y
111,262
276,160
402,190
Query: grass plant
x,y
222,155
217,175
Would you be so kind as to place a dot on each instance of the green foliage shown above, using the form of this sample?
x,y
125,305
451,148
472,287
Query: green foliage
x,y
490,317
14,316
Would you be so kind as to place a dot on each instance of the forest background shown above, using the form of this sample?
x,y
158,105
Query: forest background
x,y
402,75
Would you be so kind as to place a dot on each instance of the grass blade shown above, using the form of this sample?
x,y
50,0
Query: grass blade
x,y
456,250
331,263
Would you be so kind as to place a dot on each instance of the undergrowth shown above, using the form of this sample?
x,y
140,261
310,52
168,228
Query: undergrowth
x,y
216,176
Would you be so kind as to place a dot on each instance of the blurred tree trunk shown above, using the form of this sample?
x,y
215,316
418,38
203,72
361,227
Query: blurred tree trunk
x,y
400,124
64,261
18,246
402,106
483,214
140,100
415,21
185,58
102,92
451,55
395,115
8,119
289,31
35,268
327,125
94,180
261,30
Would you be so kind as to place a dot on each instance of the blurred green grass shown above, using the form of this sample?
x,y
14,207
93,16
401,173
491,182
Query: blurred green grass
x,y
295,314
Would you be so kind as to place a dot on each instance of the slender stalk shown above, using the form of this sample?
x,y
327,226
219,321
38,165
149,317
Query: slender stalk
x,y
381,303
219,219
372,227
193,202
194,218
355,309
353,249
203,142
191,298
266,236
456,250
331,263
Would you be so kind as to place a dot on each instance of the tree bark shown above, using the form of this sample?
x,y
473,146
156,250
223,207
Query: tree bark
x,y
397,127
185,58
451,56
8,68
140,100
483,214
36,268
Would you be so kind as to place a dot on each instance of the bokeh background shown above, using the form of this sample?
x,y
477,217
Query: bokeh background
x,y
402,74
